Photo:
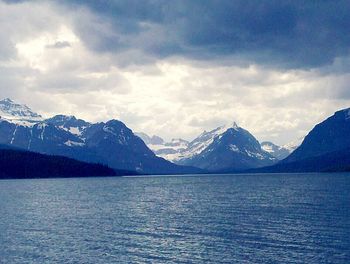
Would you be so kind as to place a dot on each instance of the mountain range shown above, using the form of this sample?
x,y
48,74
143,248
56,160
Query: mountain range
x,y
110,143
224,149
325,148
178,148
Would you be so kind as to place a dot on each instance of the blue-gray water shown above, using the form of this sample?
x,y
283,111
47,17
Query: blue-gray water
x,y
200,219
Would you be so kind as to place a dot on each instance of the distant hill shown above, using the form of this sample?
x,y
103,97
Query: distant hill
x,y
20,164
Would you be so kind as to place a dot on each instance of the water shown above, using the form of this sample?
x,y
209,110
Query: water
x,y
199,219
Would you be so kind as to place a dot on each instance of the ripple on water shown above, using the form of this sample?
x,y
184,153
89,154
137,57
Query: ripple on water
x,y
289,218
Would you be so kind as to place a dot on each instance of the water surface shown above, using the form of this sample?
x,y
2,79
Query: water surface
x,y
282,218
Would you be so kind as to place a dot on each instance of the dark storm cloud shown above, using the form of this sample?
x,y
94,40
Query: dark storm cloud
x,y
289,33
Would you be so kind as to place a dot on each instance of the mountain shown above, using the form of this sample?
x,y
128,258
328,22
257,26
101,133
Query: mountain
x,y
279,152
13,111
20,164
117,145
69,123
110,143
328,136
293,145
225,149
335,161
325,148
167,150
154,140
180,149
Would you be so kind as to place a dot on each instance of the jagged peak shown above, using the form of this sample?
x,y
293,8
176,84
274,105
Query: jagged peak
x,y
220,130
6,100
12,110
64,117
224,128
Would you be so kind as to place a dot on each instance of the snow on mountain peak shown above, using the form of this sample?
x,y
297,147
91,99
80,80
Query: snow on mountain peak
x,y
203,141
13,111
7,100
291,146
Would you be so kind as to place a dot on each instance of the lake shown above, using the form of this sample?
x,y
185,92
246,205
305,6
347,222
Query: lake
x,y
266,218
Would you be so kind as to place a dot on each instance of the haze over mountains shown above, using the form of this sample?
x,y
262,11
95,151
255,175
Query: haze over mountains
x,y
222,150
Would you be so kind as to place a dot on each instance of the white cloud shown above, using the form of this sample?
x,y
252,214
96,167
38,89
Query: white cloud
x,y
171,97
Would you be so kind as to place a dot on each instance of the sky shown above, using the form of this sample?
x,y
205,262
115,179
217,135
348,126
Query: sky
x,y
176,68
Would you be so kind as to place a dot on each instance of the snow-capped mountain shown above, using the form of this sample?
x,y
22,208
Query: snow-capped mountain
x,y
167,150
279,152
225,149
154,140
110,143
69,123
199,144
178,149
17,113
293,145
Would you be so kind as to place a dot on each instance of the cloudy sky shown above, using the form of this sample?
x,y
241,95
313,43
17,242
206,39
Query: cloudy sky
x,y
176,68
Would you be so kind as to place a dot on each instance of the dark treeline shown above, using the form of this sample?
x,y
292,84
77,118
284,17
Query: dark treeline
x,y
23,164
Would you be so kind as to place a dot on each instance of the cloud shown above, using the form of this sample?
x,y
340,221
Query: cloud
x,y
176,68
292,34
288,34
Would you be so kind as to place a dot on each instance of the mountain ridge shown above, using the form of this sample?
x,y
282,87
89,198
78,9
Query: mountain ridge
x,y
226,148
327,136
326,148
110,143
223,149
279,152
